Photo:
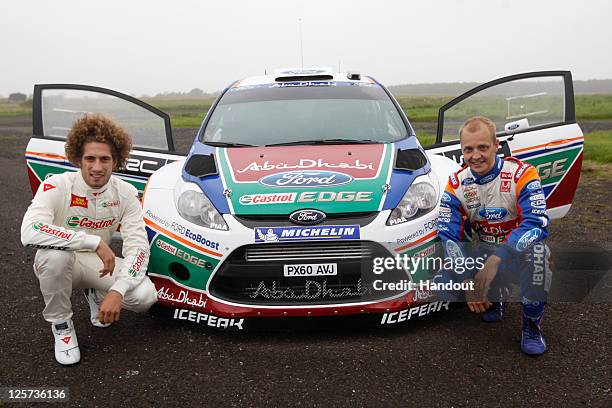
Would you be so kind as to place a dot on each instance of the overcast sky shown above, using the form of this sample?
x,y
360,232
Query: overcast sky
x,y
147,47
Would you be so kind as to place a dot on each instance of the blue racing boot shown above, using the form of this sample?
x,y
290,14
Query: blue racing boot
x,y
495,313
532,341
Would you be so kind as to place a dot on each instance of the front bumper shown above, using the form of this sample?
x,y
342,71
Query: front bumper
x,y
218,273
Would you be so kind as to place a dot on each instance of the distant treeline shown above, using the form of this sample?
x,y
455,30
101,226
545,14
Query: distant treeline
x,y
592,86
195,93
438,89
456,88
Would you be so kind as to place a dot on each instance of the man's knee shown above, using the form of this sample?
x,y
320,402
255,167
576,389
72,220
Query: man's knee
x,y
142,297
52,261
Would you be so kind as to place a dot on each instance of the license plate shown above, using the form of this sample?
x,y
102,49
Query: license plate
x,y
298,270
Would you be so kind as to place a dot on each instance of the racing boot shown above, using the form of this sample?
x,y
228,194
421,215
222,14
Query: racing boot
x,y
94,307
495,313
532,341
66,345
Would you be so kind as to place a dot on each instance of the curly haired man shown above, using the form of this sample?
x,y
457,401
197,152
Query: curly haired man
x,y
71,221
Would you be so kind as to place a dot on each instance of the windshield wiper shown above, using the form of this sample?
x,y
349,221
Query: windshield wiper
x,y
325,141
227,144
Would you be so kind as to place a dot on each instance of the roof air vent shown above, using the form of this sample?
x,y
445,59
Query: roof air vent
x,y
304,74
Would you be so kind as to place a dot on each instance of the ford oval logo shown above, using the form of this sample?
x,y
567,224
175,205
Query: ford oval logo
x,y
307,217
493,214
306,179
528,238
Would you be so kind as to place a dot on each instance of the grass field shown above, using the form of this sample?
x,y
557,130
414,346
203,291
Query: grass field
x,y
422,112
598,147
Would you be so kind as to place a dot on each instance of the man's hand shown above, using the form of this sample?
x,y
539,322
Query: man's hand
x,y
474,303
484,277
110,307
107,256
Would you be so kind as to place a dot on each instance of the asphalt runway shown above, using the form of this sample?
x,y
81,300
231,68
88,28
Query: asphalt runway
x,y
446,359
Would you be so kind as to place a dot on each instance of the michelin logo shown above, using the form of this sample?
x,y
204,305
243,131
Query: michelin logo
x,y
316,233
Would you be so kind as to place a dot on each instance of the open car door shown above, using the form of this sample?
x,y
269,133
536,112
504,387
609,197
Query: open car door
x,y
536,122
57,106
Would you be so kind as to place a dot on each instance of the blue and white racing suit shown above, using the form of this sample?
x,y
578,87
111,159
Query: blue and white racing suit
x,y
504,213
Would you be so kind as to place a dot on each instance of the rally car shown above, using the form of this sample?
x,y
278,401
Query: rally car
x,y
296,183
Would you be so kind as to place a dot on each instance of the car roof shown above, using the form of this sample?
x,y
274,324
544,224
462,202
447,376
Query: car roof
x,y
287,75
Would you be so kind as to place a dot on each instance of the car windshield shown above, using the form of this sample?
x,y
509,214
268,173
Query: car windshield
x,y
302,112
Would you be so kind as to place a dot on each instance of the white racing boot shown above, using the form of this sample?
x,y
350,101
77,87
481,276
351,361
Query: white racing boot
x,y
66,345
94,308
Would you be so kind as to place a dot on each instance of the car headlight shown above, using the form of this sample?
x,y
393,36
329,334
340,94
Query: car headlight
x,y
421,198
196,207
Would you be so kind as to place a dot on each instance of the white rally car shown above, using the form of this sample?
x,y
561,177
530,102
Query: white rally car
x,y
296,182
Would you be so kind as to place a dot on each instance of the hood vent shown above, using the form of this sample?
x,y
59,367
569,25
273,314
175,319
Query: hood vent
x,y
200,165
410,159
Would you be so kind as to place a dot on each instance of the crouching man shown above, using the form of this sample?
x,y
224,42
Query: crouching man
x,y
71,221
502,204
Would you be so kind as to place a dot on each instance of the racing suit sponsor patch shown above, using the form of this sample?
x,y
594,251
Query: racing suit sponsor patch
x,y
89,223
504,186
50,230
520,171
78,201
46,247
493,214
470,195
534,185
47,187
136,267
535,197
109,204
453,180
487,179
528,238
445,211
539,264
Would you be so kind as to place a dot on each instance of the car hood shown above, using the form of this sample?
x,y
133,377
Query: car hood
x,y
282,179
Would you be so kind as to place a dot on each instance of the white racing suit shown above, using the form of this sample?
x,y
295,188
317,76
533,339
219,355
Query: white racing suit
x,y
66,221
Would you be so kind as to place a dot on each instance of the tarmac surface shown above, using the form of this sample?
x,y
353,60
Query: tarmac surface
x,y
445,359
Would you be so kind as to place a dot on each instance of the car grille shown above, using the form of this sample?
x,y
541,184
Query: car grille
x,y
254,274
313,252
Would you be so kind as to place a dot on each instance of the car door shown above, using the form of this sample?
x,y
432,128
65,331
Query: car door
x,y
535,118
57,106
